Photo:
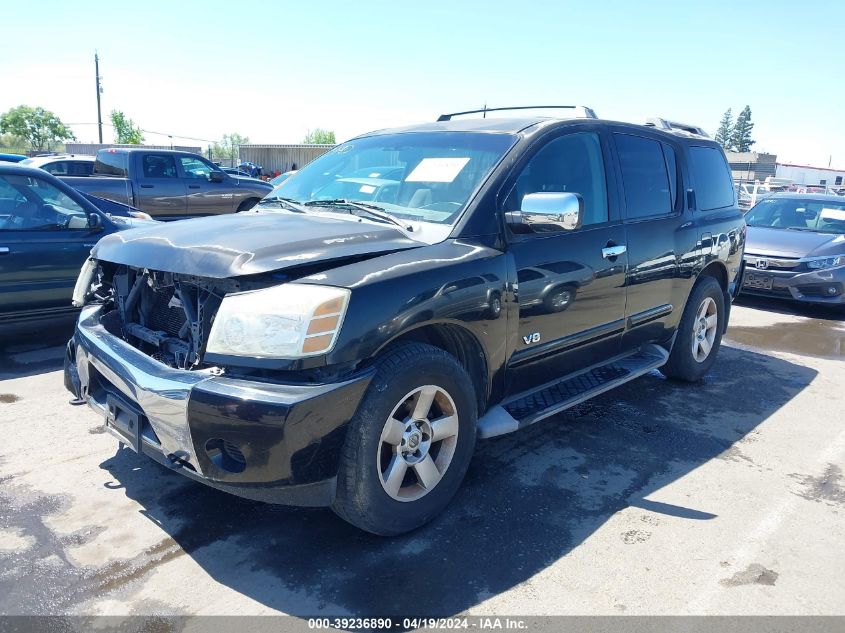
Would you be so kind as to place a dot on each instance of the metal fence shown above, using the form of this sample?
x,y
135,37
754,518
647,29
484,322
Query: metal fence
x,y
281,158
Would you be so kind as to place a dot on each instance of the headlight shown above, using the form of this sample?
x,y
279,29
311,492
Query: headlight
x,y
286,321
826,262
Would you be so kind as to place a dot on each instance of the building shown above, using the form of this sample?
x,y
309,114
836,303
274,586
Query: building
x,y
806,175
751,166
281,158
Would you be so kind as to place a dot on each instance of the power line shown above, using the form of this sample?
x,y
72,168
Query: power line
x,y
187,138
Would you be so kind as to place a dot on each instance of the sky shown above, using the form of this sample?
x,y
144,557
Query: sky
x,y
273,70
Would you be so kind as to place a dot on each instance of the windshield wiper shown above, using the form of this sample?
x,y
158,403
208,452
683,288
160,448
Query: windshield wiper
x,y
290,203
370,209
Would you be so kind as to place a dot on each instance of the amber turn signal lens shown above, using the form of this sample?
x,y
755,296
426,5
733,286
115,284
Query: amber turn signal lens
x,y
332,306
326,324
317,344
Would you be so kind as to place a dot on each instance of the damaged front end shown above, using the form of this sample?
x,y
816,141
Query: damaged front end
x,y
166,315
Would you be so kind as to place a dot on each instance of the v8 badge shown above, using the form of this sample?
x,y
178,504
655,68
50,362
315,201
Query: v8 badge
x,y
534,337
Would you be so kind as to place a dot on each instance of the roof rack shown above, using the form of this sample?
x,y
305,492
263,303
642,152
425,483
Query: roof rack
x,y
676,126
581,112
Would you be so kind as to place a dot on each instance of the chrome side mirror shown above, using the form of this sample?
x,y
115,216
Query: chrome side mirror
x,y
548,211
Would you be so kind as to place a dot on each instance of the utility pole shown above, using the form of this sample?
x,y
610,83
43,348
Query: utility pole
x,y
99,90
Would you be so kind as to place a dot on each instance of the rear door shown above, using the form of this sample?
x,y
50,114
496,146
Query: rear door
x,y
44,239
204,196
659,235
161,192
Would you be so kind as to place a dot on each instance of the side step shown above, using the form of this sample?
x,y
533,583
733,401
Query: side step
x,y
527,408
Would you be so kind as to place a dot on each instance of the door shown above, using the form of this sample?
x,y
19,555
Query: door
x,y
570,284
660,241
44,239
161,192
204,196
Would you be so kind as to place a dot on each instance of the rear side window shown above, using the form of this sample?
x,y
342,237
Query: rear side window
x,y
713,184
111,163
59,168
647,188
158,166
80,168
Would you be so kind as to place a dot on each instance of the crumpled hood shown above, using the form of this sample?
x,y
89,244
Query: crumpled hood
x,y
248,243
785,243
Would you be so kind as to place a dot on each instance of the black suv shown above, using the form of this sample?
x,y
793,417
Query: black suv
x,y
346,341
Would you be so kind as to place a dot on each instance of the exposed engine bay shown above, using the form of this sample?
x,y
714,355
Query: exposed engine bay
x,y
166,315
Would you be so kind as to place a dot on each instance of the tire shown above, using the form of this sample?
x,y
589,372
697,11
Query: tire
x,y
380,439
687,361
559,299
247,204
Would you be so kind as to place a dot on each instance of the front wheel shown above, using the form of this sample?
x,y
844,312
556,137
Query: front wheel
x,y
410,443
699,333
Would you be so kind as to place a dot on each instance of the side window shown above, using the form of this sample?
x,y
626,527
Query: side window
x,y
158,166
194,167
80,168
672,168
32,204
644,176
713,184
59,168
571,163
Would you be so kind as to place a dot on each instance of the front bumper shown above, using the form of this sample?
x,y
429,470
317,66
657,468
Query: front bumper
x,y
278,443
825,286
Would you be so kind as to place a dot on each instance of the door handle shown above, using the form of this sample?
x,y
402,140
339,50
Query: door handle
x,y
4,250
193,186
147,186
612,252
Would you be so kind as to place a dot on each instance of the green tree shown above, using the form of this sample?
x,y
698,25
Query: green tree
x,y
229,146
319,137
741,135
40,128
10,141
725,131
125,130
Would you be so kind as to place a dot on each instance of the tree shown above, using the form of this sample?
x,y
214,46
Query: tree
x,y
40,128
319,137
229,146
741,135
125,130
725,131
10,141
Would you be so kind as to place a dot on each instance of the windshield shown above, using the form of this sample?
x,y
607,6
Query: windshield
x,y
420,176
799,214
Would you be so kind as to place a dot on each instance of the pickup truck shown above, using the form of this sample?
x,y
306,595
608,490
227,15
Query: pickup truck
x,y
480,275
167,184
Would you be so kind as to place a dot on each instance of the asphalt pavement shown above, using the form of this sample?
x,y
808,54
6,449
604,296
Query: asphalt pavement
x,y
724,497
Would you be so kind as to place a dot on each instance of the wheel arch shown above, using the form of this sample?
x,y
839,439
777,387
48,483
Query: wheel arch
x,y
717,270
458,341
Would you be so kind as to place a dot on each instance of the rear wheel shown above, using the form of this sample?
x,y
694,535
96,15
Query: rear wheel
x,y
410,443
699,333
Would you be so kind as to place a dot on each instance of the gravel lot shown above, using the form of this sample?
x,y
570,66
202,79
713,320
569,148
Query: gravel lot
x,y
725,497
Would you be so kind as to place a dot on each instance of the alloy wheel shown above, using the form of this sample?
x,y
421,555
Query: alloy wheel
x,y
417,443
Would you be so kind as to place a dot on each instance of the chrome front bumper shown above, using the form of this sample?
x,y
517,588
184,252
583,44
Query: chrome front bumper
x,y
288,436
160,392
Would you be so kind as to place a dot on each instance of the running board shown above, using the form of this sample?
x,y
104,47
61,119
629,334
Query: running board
x,y
527,408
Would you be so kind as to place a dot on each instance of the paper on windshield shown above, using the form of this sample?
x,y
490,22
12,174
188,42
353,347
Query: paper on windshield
x,y
833,214
437,170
